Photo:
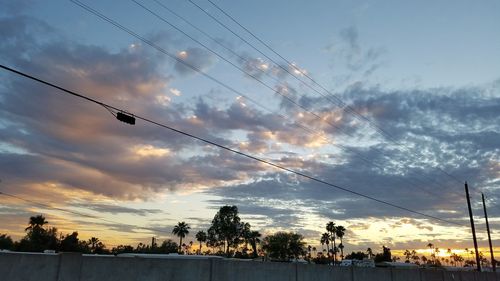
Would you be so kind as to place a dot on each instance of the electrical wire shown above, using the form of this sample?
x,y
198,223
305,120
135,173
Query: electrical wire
x,y
270,88
341,102
226,148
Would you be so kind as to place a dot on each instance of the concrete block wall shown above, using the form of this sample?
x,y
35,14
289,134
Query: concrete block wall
x,y
75,267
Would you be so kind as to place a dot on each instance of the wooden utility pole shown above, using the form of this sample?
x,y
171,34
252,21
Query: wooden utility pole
x,y
493,263
478,262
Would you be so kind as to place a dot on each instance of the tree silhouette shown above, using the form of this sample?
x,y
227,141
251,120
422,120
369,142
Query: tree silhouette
x,y
168,246
226,228
120,249
340,232
356,256
325,239
96,246
181,230
332,230
369,252
254,239
384,256
6,242
36,222
201,236
38,238
283,246
71,243
245,233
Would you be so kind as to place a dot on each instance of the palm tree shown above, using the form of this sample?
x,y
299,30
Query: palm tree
x,y
369,252
331,228
254,240
340,232
181,230
415,257
325,239
201,237
36,222
431,246
424,259
408,255
93,242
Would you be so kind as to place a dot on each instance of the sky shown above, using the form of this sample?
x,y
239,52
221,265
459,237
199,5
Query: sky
x,y
395,100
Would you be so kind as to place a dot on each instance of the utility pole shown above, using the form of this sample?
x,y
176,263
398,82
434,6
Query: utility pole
x,y
493,263
473,228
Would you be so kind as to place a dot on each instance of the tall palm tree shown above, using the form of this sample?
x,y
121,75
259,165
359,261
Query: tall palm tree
x,y
254,240
340,232
325,239
201,237
36,222
331,228
431,247
181,230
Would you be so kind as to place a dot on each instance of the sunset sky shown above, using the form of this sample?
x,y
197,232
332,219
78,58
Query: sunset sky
x,y
425,74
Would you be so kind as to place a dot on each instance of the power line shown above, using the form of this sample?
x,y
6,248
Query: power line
x,y
339,100
269,87
226,148
116,24
47,206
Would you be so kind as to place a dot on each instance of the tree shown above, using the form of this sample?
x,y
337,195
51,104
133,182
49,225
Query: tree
x,y
284,246
226,227
325,239
356,256
369,252
96,246
181,230
6,242
245,233
35,223
407,255
38,238
340,232
384,256
415,257
201,237
332,230
168,246
70,243
424,260
254,239
122,249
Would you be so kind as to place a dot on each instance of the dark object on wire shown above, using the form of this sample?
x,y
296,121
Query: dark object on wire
x,y
129,119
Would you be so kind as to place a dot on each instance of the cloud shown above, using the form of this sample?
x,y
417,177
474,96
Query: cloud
x,y
196,57
51,141
115,209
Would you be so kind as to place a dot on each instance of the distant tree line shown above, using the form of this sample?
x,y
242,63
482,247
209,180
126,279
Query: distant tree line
x,y
227,236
